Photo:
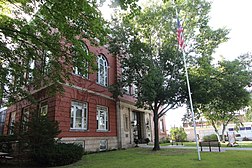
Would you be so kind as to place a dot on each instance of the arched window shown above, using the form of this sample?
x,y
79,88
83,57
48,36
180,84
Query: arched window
x,y
102,74
80,66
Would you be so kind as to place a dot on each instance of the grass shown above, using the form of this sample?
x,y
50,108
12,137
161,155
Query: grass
x,y
243,144
172,158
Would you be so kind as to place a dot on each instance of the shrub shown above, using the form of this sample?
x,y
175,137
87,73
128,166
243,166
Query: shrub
x,y
6,143
147,140
212,137
58,155
246,139
178,134
164,140
7,138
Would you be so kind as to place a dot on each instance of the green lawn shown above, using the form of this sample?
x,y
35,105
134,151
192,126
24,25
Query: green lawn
x,y
165,158
243,144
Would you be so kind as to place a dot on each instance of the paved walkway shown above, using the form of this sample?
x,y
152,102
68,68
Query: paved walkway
x,y
214,149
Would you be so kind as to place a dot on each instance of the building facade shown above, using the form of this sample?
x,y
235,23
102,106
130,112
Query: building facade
x,y
2,119
86,112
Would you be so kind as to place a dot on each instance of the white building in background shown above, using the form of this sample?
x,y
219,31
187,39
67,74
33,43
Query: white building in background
x,y
242,133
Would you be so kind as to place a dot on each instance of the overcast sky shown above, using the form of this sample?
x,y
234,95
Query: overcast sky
x,y
236,16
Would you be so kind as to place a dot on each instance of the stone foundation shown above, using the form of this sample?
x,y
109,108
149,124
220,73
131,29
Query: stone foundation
x,y
94,144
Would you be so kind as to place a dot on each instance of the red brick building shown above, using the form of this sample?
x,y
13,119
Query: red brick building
x,y
87,113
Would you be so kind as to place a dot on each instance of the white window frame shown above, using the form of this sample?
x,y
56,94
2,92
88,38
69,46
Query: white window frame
x,y
102,118
46,61
43,108
12,122
75,69
32,66
134,90
25,118
161,125
102,73
84,115
126,90
103,145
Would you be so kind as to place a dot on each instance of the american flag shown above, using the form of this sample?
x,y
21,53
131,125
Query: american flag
x,y
180,35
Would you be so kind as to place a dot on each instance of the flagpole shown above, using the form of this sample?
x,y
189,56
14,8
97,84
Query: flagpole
x,y
191,105
181,46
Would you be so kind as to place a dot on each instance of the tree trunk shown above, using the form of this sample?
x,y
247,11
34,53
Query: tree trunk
x,y
156,131
216,130
223,133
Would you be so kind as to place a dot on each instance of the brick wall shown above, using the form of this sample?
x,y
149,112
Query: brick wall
x,y
63,107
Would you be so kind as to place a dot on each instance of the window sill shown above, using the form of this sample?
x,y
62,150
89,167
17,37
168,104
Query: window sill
x,y
78,130
82,76
102,130
102,85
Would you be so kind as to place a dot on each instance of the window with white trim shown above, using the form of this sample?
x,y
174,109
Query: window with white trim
x,y
126,88
79,115
12,123
46,62
161,125
102,74
82,68
43,108
103,145
134,90
102,118
25,119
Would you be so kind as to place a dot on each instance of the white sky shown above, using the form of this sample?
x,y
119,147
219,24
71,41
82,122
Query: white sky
x,y
234,15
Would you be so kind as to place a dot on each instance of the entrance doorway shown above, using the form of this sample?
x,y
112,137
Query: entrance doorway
x,y
138,130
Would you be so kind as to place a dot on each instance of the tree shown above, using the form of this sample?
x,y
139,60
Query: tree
x,y
41,34
146,46
219,92
246,60
178,134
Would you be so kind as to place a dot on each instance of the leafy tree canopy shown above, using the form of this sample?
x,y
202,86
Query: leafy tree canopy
x,y
220,91
41,34
147,47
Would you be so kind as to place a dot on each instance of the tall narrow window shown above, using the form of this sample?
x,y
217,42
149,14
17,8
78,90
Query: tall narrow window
x,y
134,90
80,63
161,125
12,122
79,115
102,74
43,108
102,118
126,88
46,62
25,119
30,71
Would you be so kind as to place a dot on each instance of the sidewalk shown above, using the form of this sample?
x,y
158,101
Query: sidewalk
x,y
205,149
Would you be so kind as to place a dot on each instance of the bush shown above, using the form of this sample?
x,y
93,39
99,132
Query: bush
x,y
7,138
178,134
209,138
246,139
164,140
6,143
147,140
58,155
